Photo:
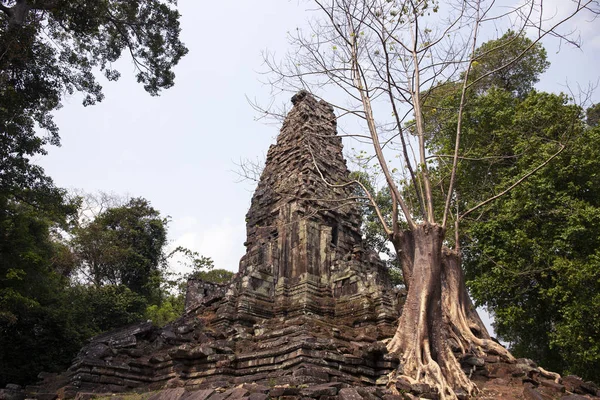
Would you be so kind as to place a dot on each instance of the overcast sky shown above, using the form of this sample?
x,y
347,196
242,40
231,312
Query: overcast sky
x,y
179,150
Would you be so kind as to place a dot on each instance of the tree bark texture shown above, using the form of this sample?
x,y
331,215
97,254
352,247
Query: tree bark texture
x,y
467,333
439,324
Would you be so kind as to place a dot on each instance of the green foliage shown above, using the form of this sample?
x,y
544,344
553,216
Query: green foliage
x,y
124,246
46,310
504,125
43,337
534,260
35,329
169,310
530,256
502,137
593,115
495,57
100,309
213,275
50,48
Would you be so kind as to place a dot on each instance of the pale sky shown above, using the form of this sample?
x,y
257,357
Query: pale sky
x,y
179,150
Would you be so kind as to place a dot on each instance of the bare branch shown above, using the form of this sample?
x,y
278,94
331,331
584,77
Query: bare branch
x,y
534,42
461,107
474,158
249,170
354,182
389,81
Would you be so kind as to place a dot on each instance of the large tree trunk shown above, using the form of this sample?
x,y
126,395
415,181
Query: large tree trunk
x,y
438,316
467,333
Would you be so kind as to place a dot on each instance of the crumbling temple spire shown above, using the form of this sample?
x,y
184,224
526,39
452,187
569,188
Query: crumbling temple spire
x,y
301,218
304,249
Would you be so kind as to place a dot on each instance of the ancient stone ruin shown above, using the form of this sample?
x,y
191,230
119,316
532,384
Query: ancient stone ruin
x,y
307,315
309,305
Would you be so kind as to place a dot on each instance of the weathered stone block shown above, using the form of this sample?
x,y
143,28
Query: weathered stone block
x,y
111,380
258,396
278,391
255,388
168,394
530,393
326,389
219,395
349,394
199,394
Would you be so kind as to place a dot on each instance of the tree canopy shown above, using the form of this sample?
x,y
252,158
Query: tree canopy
x,y
532,257
515,63
49,48
593,115
124,246
35,329
64,280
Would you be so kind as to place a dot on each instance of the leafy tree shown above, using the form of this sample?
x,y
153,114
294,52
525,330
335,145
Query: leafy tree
x,y
213,275
35,332
169,309
387,59
533,260
100,309
593,115
125,246
517,253
46,310
498,56
49,48
121,250
35,329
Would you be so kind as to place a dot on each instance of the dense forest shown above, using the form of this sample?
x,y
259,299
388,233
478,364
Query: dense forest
x,y
75,265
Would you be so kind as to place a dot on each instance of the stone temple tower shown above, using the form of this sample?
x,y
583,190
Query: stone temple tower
x,y
302,219
304,250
